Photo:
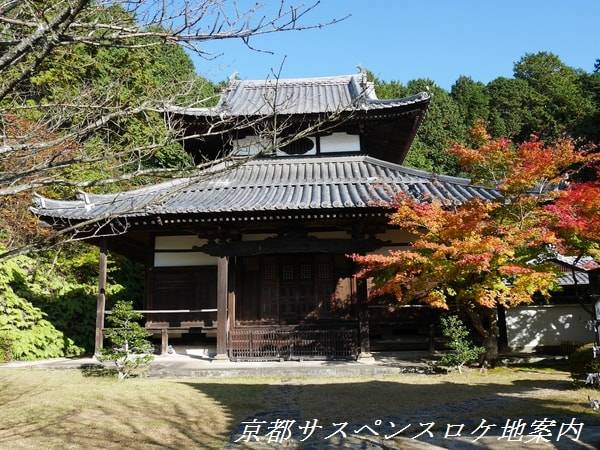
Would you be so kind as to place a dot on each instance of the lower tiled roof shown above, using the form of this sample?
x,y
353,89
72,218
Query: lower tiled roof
x,y
273,184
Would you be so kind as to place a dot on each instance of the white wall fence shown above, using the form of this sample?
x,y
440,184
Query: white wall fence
x,y
534,326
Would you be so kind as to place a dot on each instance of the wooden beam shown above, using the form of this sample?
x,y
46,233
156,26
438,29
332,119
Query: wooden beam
x,y
222,294
101,298
286,245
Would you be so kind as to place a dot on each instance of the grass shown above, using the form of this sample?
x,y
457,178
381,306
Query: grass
x,y
66,409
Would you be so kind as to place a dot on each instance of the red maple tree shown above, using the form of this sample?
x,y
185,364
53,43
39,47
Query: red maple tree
x,y
480,254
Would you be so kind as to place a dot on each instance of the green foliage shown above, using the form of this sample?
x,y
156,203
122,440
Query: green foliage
x,y
62,288
129,348
545,97
6,345
24,327
462,350
515,109
582,362
442,126
559,89
122,78
472,99
589,127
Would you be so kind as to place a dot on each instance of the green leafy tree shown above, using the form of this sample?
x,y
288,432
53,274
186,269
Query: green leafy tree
x,y
388,89
472,99
589,128
560,89
443,125
462,350
129,349
25,330
516,110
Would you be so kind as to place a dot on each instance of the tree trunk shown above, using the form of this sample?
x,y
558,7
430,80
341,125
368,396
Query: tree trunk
x,y
485,322
490,342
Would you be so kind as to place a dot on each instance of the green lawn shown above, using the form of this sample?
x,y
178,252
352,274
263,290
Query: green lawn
x,y
65,409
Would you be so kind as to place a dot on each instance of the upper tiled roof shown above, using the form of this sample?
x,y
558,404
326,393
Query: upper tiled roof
x,y
582,263
274,184
301,96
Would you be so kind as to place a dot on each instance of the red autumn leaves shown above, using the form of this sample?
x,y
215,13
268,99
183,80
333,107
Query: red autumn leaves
x,y
480,253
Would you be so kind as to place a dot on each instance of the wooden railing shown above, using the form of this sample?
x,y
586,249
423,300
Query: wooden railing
x,y
178,318
169,311
165,327
270,343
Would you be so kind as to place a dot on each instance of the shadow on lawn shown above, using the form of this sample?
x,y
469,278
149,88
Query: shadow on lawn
x,y
364,403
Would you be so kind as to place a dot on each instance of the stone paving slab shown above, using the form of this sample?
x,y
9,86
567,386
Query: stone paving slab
x,y
184,366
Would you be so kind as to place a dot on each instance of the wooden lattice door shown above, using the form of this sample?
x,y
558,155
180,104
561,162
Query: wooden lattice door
x,y
296,288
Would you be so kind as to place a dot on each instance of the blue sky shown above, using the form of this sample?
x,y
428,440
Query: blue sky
x,y
438,39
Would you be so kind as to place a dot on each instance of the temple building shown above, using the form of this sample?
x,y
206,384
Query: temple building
x,y
254,251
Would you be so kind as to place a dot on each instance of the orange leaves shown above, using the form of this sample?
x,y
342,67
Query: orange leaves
x,y
479,253
535,164
436,299
516,169
434,217
461,254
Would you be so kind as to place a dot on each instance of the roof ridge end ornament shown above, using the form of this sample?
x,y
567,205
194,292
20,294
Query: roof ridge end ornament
x,y
84,196
234,77
38,200
367,88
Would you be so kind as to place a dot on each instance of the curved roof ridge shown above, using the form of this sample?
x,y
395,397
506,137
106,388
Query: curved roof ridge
x,y
420,172
297,80
310,95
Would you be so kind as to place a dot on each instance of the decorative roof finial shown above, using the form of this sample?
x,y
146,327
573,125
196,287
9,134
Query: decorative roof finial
x,y
363,79
38,200
83,196
233,77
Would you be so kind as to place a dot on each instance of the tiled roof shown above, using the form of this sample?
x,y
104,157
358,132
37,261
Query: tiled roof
x,y
301,96
274,184
582,263
567,279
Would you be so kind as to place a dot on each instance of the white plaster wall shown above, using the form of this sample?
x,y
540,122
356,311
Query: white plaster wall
x,y
330,234
340,142
396,236
546,325
257,236
177,259
177,242
248,146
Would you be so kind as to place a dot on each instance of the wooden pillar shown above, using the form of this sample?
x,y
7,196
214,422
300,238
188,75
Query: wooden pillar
x,y
363,318
231,293
164,341
222,295
101,298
